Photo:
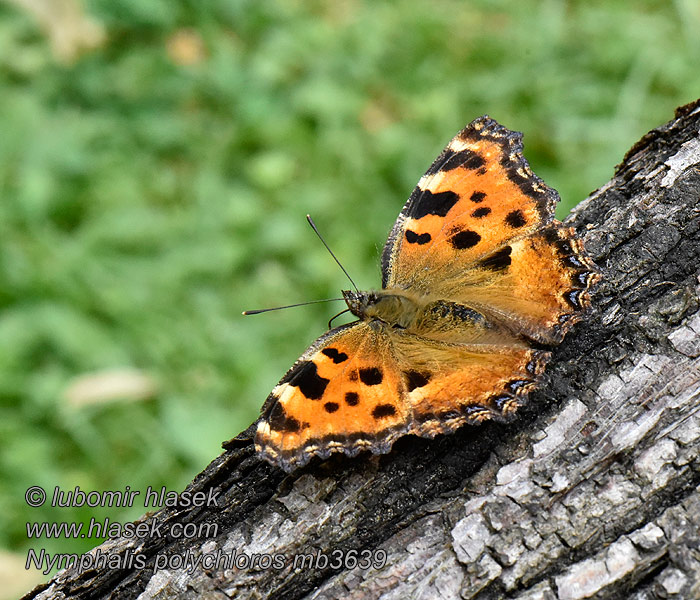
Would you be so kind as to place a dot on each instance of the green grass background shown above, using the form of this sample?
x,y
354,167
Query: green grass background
x,y
145,203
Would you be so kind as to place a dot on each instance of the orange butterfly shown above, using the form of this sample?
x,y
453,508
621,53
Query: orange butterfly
x,y
478,276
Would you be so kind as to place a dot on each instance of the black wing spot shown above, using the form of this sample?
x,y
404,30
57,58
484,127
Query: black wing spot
x,y
413,238
416,379
371,376
331,407
500,401
477,196
352,398
469,159
572,261
427,203
305,377
573,297
479,213
474,409
551,235
450,160
352,375
334,355
564,247
580,278
279,421
515,219
464,158
516,384
532,367
383,410
461,240
498,260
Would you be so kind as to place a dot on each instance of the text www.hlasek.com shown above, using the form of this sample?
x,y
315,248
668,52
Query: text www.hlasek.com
x,y
189,561
110,529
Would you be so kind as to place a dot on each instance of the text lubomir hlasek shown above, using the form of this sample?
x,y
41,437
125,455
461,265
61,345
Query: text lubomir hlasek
x,y
152,498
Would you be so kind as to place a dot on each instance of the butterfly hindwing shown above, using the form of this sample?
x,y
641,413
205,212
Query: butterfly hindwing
x,y
541,289
450,384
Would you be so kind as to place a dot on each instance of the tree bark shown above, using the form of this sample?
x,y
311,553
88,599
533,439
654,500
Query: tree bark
x,y
594,491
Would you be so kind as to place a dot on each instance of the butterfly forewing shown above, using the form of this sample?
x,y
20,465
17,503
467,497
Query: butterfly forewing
x,y
344,395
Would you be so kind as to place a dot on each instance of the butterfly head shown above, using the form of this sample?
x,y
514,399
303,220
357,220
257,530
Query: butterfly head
x,y
359,302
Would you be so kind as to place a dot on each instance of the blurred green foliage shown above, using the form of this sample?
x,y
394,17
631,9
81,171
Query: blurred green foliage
x,y
157,186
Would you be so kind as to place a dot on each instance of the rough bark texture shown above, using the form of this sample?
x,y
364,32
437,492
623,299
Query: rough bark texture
x,y
593,492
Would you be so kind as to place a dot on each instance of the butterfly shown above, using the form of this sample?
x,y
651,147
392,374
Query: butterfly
x,y
479,280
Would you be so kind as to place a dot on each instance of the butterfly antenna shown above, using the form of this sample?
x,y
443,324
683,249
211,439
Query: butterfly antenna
x,y
320,237
262,310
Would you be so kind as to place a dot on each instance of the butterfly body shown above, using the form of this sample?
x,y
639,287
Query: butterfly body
x,y
425,316
478,277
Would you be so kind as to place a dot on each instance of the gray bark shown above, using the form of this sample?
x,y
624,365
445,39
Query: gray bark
x,y
594,491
